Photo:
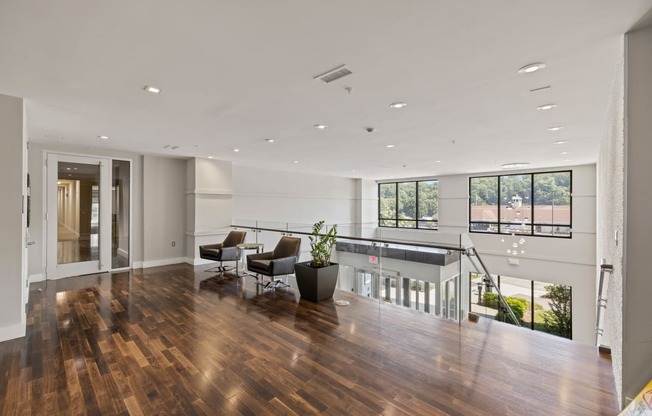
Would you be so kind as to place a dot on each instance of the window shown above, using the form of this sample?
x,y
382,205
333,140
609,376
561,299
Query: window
x,y
527,204
411,204
537,305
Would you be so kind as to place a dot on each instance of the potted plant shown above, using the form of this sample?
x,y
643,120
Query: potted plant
x,y
317,278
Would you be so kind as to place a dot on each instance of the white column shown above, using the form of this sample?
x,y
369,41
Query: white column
x,y
13,172
209,204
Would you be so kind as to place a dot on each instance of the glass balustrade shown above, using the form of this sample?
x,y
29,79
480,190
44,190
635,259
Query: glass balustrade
x,y
428,273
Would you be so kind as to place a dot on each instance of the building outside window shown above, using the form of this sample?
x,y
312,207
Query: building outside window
x,y
538,204
409,204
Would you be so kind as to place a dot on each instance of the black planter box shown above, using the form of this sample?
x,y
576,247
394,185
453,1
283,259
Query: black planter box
x,y
316,284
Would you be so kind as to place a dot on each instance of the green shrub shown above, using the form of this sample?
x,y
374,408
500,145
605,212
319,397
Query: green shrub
x,y
519,306
490,300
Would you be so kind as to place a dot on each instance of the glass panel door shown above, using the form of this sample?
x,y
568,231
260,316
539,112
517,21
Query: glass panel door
x,y
120,215
449,298
76,218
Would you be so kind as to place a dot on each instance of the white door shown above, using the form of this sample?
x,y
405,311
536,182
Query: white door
x,y
78,215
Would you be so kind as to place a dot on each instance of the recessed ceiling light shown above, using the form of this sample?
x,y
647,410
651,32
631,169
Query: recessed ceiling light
x,y
561,142
353,170
68,168
296,161
437,161
210,157
389,146
321,126
152,89
546,107
398,105
568,160
103,137
235,150
563,153
555,128
528,69
518,165
270,140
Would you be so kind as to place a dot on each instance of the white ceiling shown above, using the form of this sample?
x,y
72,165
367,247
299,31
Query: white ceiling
x,y
235,73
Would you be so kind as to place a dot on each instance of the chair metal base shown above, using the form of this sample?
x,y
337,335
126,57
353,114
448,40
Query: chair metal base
x,y
272,284
223,269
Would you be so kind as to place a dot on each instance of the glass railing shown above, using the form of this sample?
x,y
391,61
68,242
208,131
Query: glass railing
x,y
428,272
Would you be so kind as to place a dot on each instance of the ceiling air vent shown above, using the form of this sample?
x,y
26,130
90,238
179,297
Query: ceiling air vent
x,y
334,74
170,147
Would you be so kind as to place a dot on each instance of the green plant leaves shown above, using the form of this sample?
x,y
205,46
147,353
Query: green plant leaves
x,y
321,245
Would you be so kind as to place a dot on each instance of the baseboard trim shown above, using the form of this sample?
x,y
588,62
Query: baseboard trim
x,y
12,332
161,262
198,262
35,278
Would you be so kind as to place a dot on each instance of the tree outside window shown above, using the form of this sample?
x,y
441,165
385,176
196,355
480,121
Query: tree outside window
x,y
410,204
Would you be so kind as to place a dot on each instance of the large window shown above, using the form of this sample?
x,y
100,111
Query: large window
x,y
411,204
539,306
528,204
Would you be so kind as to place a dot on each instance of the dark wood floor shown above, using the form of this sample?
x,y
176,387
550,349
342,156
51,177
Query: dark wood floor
x,y
162,341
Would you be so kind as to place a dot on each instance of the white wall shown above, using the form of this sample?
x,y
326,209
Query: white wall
x,y
13,172
164,211
277,196
36,165
553,260
637,334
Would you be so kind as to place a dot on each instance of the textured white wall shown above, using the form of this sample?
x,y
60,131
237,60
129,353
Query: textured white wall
x,y
12,220
610,218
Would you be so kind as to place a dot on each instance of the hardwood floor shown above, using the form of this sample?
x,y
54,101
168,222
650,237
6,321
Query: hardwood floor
x,y
162,341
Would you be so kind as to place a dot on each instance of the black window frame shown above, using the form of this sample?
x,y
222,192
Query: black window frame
x,y
502,224
416,221
532,324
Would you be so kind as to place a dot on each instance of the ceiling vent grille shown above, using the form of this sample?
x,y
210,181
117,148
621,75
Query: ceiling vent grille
x,y
334,74
170,147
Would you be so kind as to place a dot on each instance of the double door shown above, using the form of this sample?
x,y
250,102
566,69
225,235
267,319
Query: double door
x,y
88,215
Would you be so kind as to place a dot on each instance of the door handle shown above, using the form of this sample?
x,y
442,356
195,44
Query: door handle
x,y
31,243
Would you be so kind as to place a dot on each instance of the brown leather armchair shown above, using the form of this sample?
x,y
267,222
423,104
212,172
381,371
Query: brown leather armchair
x,y
280,261
224,251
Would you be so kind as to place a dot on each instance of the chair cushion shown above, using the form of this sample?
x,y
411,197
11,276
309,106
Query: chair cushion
x,y
260,264
210,253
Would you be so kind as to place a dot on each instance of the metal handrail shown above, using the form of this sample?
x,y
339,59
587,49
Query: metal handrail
x,y
373,240
602,302
472,252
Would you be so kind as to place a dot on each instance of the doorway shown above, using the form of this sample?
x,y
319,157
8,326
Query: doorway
x,y
449,298
88,215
